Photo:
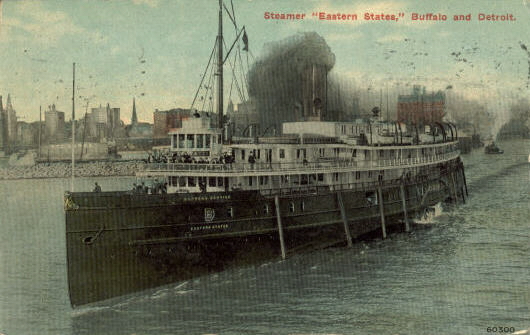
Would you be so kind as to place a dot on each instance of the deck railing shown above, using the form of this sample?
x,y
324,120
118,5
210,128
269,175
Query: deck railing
x,y
353,186
321,165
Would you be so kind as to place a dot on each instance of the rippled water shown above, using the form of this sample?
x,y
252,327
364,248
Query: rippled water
x,y
466,271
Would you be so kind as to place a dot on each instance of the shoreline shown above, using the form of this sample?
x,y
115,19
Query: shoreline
x,y
63,170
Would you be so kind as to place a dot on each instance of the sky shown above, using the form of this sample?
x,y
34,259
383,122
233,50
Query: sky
x,y
156,50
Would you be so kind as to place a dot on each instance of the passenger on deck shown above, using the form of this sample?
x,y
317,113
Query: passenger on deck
x,y
155,188
97,188
202,187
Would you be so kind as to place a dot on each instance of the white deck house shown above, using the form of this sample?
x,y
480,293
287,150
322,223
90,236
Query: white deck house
x,y
196,138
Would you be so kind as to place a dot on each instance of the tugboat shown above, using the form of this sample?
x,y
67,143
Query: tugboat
x,y
219,202
493,149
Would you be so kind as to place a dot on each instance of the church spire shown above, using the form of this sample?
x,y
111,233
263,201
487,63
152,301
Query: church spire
x,y
134,118
8,102
1,105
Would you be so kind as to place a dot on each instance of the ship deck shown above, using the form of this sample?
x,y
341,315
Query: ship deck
x,y
268,169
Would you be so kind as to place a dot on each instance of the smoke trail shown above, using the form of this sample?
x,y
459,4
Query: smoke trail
x,y
291,79
518,124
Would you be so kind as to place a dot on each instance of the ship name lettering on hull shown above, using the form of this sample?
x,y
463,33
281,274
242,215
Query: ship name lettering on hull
x,y
207,197
215,226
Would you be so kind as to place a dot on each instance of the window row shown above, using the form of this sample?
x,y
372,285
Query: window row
x,y
193,141
194,181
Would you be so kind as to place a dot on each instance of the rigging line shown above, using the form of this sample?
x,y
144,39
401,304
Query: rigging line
x,y
236,40
206,70
232,66
211,93
208,89
248,66
245,74
207,103
231,86
211,102
233,11
205,96
243,80
234,43
241,95
242,70
205,89
230,16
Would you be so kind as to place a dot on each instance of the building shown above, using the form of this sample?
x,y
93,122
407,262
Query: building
x,y
26,133
244,119
421,108
54,125
164,121
114,121
138,129
8,123
102,123
98,123
11,121
134,117
2,130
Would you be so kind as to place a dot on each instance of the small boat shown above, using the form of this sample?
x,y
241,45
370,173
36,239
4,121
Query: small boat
x,y
492,148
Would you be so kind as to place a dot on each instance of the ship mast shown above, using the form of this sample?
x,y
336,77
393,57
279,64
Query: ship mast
x,y
40,127
73,128
220,67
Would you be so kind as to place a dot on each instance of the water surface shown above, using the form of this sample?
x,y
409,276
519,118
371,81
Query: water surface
x,y
464,272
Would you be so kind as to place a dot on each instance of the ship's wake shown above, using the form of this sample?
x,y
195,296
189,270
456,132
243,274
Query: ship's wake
x,y
429,214
484,181
86,310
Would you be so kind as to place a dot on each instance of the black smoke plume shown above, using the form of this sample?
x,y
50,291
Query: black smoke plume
x,y
280,82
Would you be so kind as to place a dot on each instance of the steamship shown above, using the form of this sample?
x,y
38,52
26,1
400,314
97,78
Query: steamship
x,y
222,201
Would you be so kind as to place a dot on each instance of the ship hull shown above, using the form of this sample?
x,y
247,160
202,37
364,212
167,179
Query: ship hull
x,y
119,242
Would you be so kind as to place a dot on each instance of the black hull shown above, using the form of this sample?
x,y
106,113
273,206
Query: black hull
x,y
118,243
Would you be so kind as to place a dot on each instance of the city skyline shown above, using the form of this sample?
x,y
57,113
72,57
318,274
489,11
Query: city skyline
x,y
156,50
